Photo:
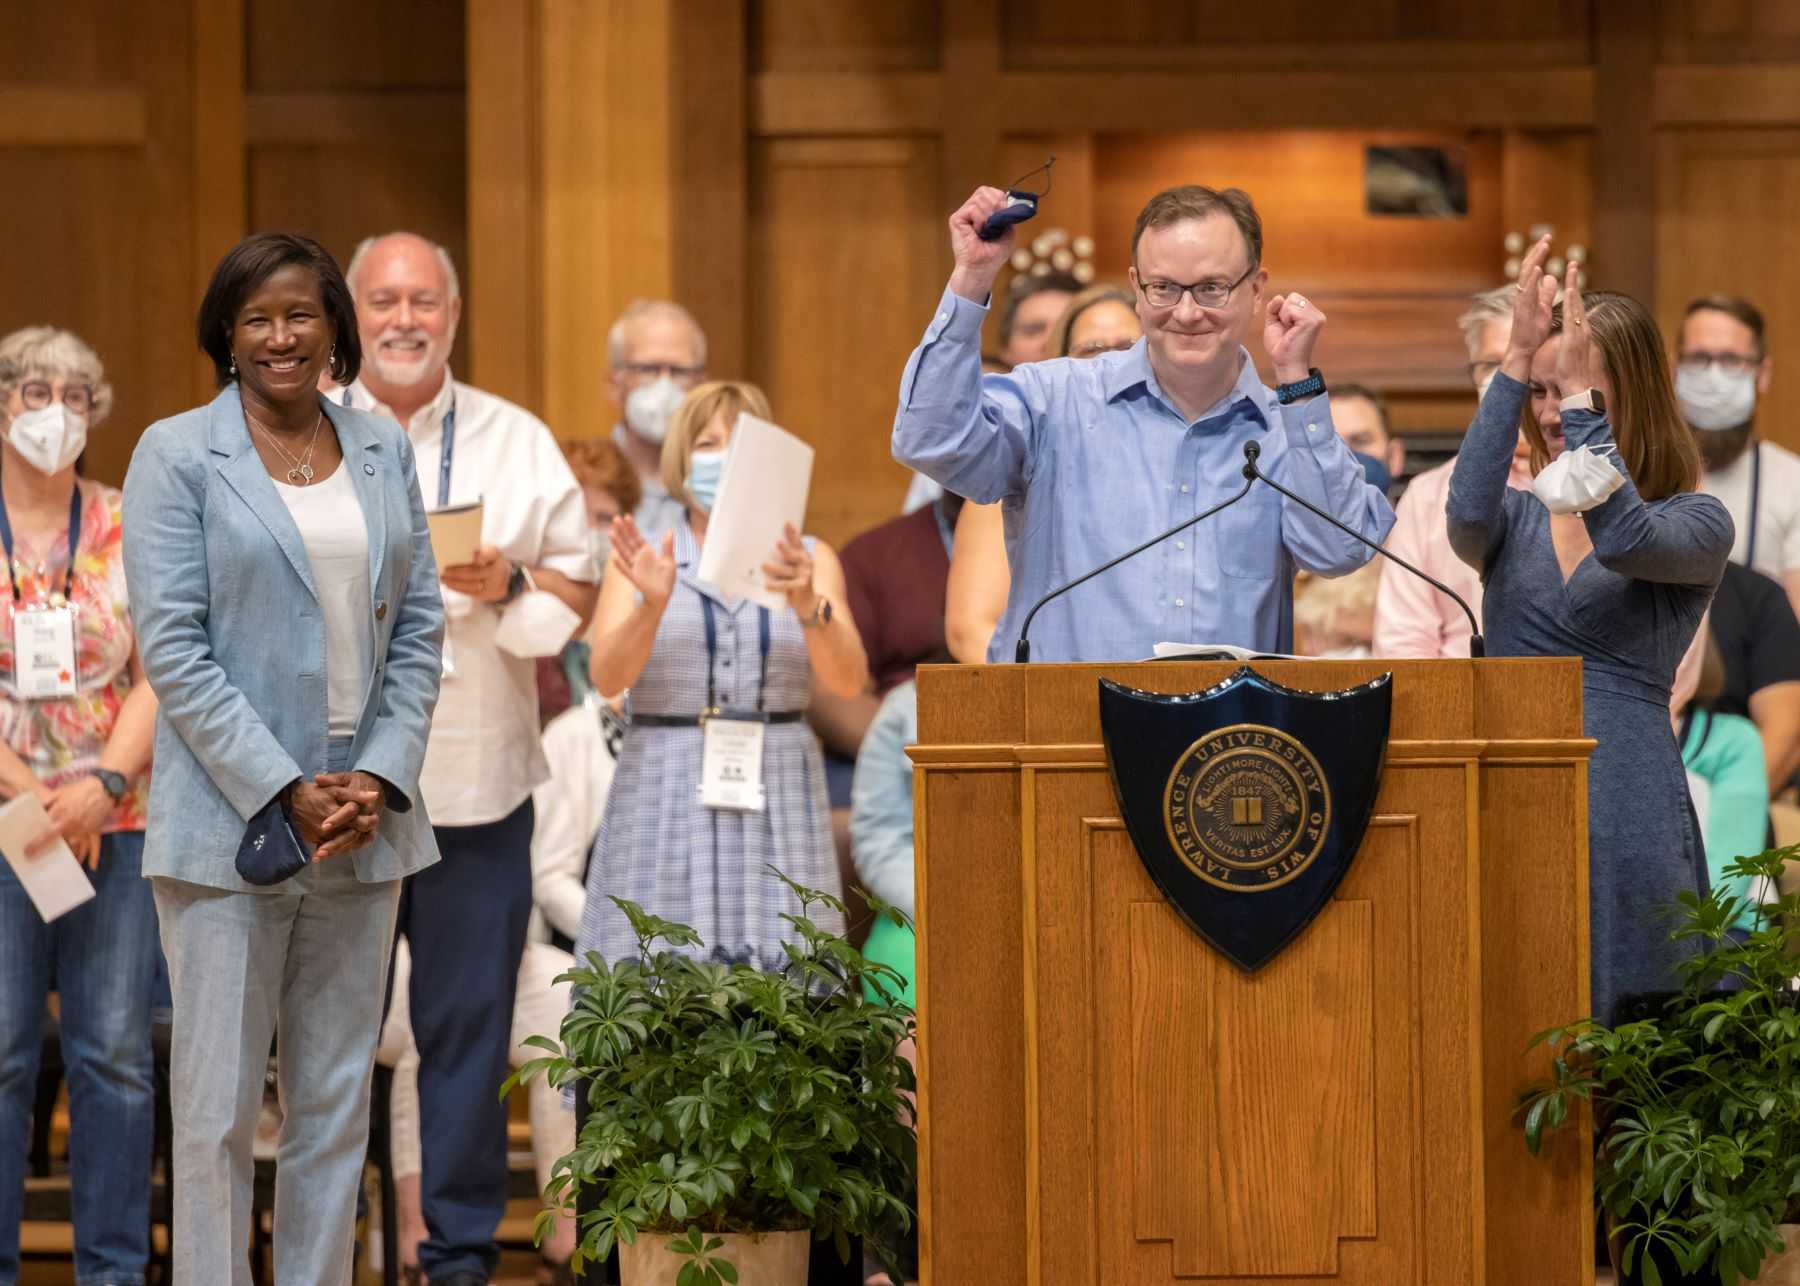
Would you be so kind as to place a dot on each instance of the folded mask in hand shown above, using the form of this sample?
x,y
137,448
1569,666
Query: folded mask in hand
x,y
1577,481
534,624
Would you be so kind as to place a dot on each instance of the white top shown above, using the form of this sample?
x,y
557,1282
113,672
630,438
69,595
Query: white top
x,y
567,809
483,758
332,528
1777,510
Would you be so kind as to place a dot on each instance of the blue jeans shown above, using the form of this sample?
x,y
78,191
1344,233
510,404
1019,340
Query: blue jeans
x,y
103,956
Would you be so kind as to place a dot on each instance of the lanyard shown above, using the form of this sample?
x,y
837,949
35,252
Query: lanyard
x,y
6,537
1755,501
712,652
449,448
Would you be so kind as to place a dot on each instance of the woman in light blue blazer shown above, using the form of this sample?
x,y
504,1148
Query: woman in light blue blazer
x,y
288,614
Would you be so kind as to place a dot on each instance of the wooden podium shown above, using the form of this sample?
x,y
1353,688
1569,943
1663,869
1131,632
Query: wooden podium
x,y
1108,1102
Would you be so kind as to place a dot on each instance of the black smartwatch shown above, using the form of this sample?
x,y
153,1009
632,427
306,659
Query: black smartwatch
x,y
516,584
1311,386
113,783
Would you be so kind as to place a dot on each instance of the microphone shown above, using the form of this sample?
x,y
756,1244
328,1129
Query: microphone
x,y
1477,644
1022,650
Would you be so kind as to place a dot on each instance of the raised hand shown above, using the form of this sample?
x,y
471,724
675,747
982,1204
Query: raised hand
x,y
978,262
1534,300
1579,361
789,572
646,566
1291,331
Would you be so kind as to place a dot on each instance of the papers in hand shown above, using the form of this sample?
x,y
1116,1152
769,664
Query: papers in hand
x,y
53,879
455,534
1216,652
767,476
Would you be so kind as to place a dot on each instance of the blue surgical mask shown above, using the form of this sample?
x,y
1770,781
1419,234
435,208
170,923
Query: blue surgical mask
x,y
705,468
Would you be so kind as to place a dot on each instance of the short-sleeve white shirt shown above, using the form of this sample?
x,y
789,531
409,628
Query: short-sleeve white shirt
x,y
1777,507
484,756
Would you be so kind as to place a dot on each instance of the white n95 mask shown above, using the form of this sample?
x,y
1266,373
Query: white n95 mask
x,y
649,408
1577,481
50,438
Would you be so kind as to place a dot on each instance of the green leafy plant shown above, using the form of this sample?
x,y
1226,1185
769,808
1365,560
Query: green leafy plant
x,y
724,1099
1698,1108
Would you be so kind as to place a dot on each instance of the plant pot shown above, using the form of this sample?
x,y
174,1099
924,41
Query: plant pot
x,y
761,1259
1783,1269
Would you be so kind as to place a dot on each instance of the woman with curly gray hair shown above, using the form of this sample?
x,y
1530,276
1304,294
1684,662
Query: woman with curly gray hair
x,y
76,724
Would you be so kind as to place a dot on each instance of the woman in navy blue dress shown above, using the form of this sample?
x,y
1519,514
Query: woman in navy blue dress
x,y
1620,581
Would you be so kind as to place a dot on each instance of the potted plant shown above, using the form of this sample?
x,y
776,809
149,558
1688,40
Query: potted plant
x,y
1697,1107
734,1115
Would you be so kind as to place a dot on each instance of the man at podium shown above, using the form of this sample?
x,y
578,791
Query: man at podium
x,y
1092,457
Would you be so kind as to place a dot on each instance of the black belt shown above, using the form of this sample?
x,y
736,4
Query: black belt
x,y
695,720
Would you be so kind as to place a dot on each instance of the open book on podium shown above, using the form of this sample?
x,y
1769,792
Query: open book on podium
x,y
1170,1033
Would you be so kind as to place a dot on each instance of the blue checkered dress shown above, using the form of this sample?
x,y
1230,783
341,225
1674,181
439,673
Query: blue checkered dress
x,y
700,866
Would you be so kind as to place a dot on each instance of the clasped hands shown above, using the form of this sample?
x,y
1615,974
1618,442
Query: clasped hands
x,y
78,809
337,812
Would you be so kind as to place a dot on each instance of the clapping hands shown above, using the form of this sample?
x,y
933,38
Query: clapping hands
x,y
649,567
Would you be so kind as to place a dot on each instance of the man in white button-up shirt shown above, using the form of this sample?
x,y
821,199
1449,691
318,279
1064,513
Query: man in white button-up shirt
x,y
528,589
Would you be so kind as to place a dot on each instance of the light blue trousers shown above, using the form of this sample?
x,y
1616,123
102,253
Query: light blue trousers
x,y
311,965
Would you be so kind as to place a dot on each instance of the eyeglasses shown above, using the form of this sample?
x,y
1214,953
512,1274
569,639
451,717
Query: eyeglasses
x,y
1208,294
37,394
1730,363
1095,347
656,370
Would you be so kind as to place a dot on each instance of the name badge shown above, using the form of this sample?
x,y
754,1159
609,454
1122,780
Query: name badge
x,y
44,652
731,765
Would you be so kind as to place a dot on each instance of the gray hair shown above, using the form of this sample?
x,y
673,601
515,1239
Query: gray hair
x,y
49,351
1494,305
443,257
643,310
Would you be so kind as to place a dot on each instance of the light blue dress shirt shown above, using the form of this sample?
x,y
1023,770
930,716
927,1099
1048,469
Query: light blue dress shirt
x,y
1091,458
881,799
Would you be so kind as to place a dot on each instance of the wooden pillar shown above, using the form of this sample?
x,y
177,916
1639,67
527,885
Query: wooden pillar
x,y
221,163
1625,146
606,163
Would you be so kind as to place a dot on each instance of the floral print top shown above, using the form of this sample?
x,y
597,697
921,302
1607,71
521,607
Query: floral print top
x,y
61,738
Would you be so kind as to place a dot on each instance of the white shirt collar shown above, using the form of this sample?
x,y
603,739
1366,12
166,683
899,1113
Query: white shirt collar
x,y
427,420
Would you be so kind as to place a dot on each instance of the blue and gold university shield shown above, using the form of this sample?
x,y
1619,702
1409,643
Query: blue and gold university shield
x,y
1247,802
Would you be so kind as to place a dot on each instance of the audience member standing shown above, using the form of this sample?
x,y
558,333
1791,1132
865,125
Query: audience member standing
x,y
1616,565
1411,618
287,606
657,354
79,741
1753,627
1723,756
1363,421
610,488
1722,369
684,649
523,596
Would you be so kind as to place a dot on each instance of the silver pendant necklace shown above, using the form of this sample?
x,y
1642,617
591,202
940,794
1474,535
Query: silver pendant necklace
x,y
302,471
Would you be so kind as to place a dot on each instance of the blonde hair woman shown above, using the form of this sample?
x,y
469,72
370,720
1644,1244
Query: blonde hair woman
x,y
1612,557
684,649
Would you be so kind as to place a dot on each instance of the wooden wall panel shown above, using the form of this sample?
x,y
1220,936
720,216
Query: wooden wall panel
x,y
97,225
1728,31
352,44
1726,200
1290,33
833,37
847,257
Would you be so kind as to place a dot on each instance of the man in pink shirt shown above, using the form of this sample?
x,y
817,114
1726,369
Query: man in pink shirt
x,y
1411,618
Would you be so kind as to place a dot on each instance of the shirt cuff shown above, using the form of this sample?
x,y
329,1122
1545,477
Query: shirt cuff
x,y
1308,423
956,319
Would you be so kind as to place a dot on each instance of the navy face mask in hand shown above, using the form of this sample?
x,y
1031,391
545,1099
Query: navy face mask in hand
x,y
1020,205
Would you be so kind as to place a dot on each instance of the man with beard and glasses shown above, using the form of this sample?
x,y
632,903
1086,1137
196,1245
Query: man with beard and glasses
x,y
527,590
1722,369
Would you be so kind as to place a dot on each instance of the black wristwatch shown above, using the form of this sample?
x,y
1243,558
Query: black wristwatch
x,y
516,584
1311,386
113,783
